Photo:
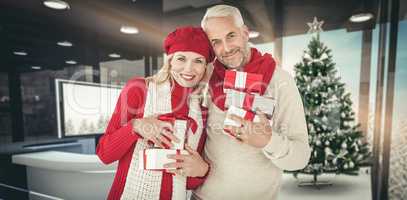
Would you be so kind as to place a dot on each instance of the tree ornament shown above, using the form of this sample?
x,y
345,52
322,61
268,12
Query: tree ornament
x,y
351,164
356,148
315,26
307,56
328,151
344,145
324,56
359,142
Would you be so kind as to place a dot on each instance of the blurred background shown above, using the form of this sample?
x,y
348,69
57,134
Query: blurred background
x,y
48,46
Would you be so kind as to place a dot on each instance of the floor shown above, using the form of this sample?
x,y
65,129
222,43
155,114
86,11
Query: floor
x,y
343,187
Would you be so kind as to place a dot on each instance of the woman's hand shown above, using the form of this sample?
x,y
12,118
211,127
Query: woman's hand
x,y
157,131
192,165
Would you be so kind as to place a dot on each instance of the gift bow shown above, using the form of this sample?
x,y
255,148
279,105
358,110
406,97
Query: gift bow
x,y
171,117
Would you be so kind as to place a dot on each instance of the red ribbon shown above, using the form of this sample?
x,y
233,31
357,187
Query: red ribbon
x,y
145,158
230,78
171,117
248,102
229,132
253,81
249,115
177,152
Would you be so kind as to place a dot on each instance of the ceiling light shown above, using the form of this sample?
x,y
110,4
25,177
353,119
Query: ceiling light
x,y
129,30
361,17
114,55
253,34
56,4
20,53
64,43
71,62
36,67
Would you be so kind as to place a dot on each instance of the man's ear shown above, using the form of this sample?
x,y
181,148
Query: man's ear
x,y
245,32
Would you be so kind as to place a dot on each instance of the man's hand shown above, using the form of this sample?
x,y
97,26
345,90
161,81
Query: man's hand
x,y
256,134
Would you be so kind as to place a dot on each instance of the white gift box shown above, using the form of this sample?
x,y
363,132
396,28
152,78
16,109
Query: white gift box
x,y
155,159
250,101
245,114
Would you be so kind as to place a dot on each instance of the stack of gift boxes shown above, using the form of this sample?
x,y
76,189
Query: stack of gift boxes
x,y
243,97
156,158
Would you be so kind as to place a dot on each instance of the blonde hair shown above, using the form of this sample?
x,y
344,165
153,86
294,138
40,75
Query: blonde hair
x,y
164,73
223,11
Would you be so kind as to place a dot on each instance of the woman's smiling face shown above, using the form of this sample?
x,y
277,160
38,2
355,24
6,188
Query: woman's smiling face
x,y
187,68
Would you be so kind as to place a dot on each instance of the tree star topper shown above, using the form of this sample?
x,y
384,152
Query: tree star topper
x,y
315,26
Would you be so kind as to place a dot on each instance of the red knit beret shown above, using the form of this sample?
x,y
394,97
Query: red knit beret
x,y
189,39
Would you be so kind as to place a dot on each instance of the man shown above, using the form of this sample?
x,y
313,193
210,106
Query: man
x,y
250,166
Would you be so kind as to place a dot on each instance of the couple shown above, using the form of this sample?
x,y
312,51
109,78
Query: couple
x,y
217,166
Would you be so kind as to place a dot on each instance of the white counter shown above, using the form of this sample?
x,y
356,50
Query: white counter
x,y
66,175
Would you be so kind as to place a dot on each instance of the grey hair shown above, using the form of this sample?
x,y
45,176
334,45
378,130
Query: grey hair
x,y
223,11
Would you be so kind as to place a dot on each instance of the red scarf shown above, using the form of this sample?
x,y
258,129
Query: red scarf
x,y
259,64
179,99
180,108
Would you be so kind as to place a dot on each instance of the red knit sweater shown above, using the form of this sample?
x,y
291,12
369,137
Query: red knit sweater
x,y
119,140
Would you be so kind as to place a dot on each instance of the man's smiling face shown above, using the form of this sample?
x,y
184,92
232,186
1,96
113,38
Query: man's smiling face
x,y
229,41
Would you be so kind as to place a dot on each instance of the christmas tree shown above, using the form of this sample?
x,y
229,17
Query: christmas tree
x,y
334,136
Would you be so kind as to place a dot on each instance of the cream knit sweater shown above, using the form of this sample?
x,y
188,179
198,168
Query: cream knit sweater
x,y
239,171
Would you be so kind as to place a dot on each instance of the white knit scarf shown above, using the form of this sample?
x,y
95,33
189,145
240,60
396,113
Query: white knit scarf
x,y
145,184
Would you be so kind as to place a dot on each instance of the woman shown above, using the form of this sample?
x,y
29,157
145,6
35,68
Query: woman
x,y
134,124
